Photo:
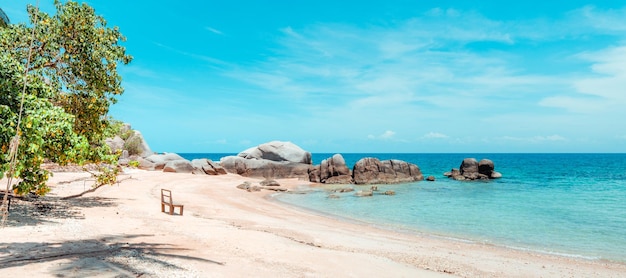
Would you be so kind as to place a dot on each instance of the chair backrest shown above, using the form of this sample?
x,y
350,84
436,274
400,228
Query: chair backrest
x,y
166,196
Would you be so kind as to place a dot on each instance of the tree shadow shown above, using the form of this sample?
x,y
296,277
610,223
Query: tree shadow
x,y
98,256
32,211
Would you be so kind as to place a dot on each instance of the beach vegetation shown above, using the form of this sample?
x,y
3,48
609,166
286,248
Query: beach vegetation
x,y
58,78
133,163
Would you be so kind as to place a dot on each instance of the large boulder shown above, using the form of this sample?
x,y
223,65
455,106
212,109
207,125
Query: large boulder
x,y
373,171
136,144
264,168
207,166
471,169
178,166
116,143
332,170
160,160
278,151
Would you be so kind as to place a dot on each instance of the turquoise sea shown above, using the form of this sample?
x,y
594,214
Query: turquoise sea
x,y
567,204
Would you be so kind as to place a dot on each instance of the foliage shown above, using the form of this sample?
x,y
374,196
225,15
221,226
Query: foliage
x,y
72,81
133,163
132,145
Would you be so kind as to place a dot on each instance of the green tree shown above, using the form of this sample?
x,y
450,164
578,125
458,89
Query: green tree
x,y
71,82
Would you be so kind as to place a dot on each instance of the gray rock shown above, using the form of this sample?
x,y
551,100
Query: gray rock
x,y
264,168
485,167
207,166
145,164
373,171
333,167
390,192
160,160
178,166
343,179
140,143
278,151
115,144
269,182
364,193
343,190
245,185
471,169
430,178
495,175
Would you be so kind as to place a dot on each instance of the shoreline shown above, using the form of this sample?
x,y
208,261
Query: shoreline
x,y
228,232
435,236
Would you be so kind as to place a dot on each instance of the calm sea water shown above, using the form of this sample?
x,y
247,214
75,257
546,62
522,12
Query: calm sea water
x,y
569,204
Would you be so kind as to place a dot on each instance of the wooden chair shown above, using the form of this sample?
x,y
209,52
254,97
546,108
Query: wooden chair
x,y
166,200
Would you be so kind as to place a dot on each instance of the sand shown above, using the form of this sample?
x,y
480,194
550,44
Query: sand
x,y
120,231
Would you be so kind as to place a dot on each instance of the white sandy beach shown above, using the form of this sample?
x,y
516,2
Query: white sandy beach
x,y
120,231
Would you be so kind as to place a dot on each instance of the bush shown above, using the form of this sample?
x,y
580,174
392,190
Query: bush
x,y
132,145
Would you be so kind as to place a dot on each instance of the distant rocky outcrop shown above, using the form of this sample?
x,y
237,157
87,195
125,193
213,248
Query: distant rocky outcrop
x,y
275,159
471,169
373,171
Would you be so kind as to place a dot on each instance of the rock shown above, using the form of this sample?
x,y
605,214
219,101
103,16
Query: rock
x,y
314,174
430,178
333,167
136,144
145,164
332,170
264,168
366,193
245,185
178,166
207,166
125,154
343,190
333,196
469,166
269,182
373,171
278,189
485,167
343,179
116,143
374,188
471,169
390,192
160,160
277,151
254,189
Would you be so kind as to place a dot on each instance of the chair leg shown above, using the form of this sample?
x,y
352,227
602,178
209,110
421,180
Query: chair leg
x,y
171,210
181,210
162,207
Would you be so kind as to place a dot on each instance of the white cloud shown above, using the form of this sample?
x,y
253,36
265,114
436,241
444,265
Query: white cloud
x,y
213,30
535,139
435,135
384,136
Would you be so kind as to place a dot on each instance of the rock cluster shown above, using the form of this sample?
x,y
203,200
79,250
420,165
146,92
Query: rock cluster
x,y
471,169
135,148
373,171
275,159
366,171
332,170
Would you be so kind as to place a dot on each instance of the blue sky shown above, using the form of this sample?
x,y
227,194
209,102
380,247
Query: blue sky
x,y
372,76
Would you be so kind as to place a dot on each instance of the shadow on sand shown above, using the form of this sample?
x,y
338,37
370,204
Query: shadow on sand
x,y
32,211
108,255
